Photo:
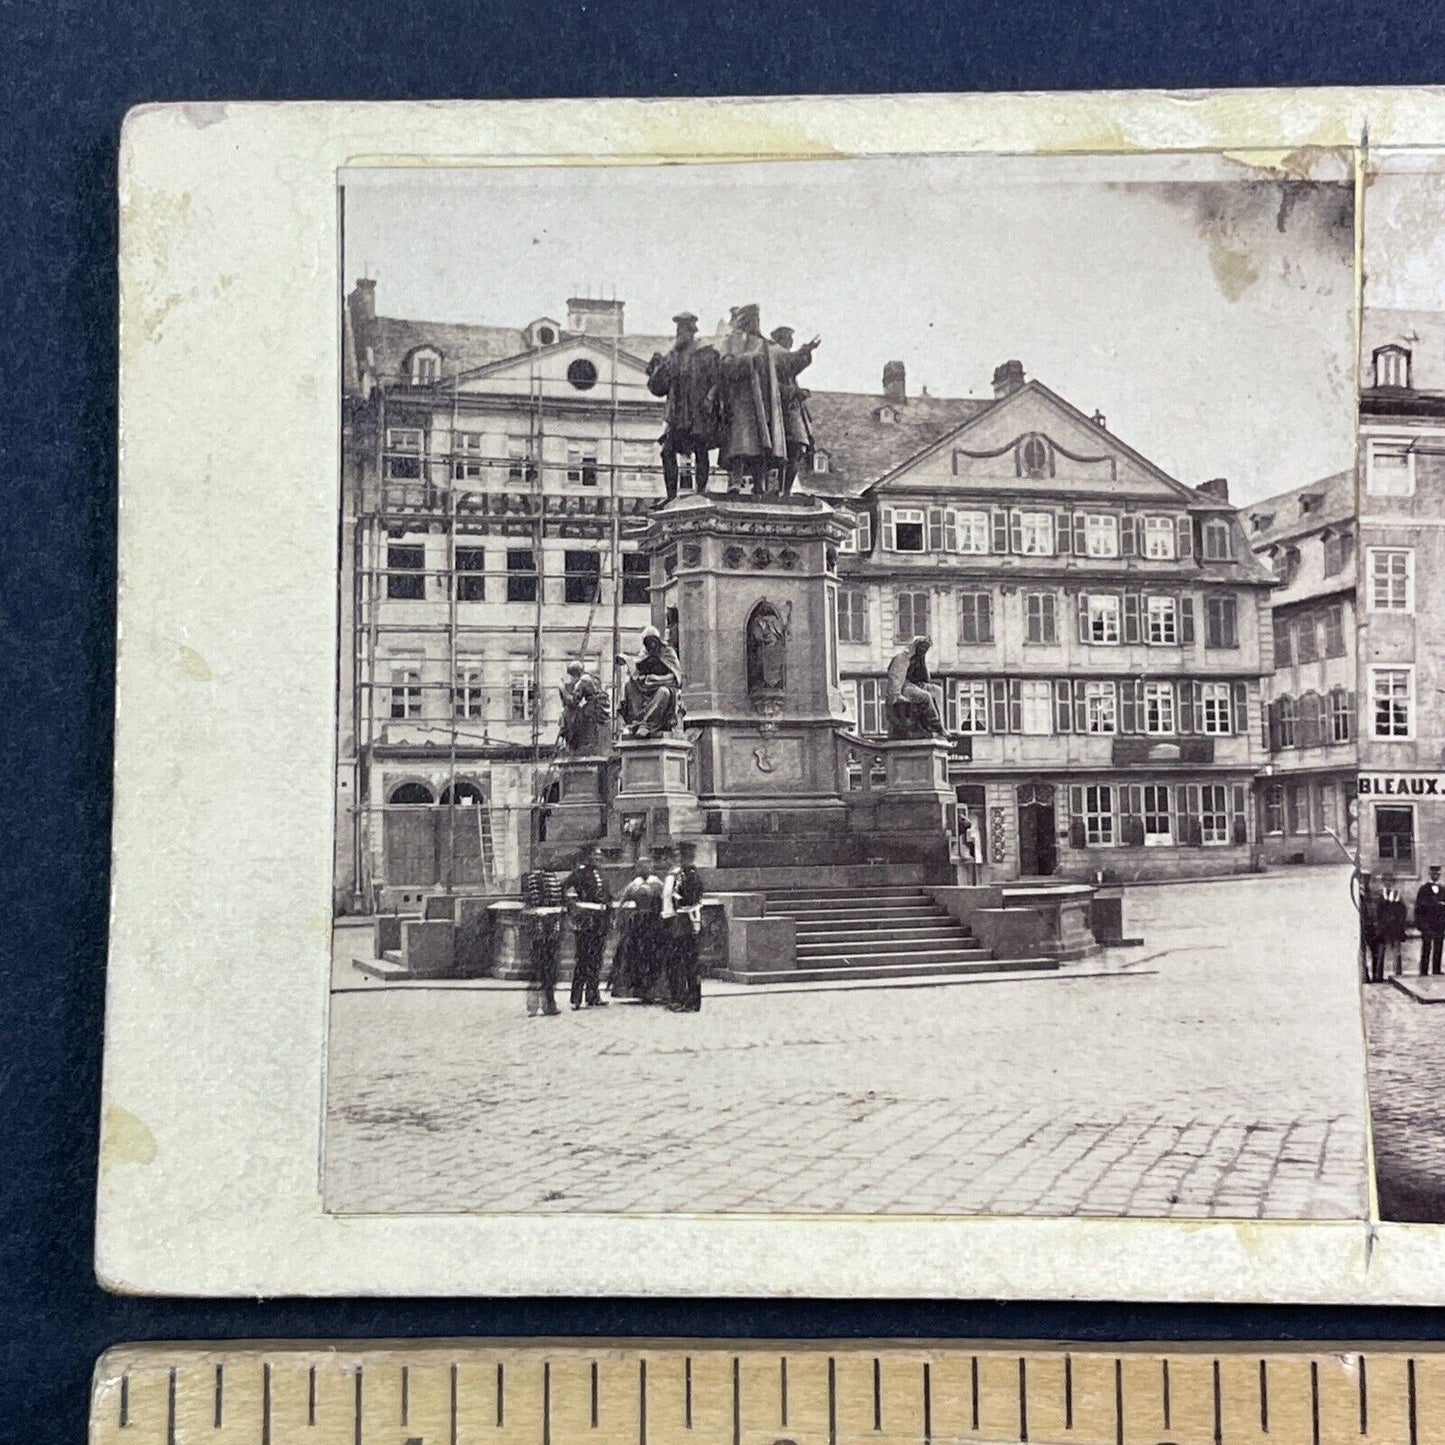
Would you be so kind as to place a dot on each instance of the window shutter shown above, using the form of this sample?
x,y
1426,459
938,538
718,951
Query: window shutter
x,y
1241,707
890,535
1128,546
1063,705
998,703
1000,531
1015,705
1128,706
1239,823
865,531
1081,709
1186,620
1081,544
985,617
1083,616
1132,799
1063,533
1076,816
935,529
1016,530
1185,536
950,530
1270,727
1131,616
1354,713
1190,831
1185,705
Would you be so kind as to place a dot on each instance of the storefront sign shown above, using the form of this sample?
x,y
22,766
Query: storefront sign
x,y
1402,785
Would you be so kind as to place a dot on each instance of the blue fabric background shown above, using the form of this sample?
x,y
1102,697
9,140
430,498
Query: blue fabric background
x,y
72,68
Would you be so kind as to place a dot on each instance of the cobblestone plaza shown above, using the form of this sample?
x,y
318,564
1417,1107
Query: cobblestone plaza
x,y
1218,1070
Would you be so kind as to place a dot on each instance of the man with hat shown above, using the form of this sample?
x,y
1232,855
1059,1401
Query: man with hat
x,y
1430,921
754,446
688,377
797,424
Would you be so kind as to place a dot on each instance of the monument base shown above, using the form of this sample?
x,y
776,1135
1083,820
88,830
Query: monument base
x,y
579,814
655,806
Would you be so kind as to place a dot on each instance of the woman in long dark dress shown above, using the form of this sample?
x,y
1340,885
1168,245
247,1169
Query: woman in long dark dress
x,y
635,974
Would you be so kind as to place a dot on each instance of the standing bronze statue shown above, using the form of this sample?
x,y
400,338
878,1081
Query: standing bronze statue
x,y
688,377
797,423
754,446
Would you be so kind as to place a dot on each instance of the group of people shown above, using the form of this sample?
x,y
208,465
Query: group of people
x,y
739,396
1385,918
658,922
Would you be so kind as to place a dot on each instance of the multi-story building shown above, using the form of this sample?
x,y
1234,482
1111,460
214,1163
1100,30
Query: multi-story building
x,y
1306,795
1097,624
1401,488
1099,629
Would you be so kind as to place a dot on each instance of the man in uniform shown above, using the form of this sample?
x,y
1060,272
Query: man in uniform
x,y
682,919
1430,921
911,703
542,924
589,901
797,424
688,377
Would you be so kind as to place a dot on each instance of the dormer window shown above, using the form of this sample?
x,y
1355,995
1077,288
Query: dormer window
x,y
1034,456
887,415
1308,502
1261,521
1392,366
546,336
424,366
820,462
1218,543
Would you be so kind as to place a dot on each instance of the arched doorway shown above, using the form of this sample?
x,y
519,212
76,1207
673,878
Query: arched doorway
x,y
1038,843
409,836
464,834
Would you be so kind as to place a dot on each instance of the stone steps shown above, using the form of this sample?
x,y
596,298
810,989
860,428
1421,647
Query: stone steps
x,y
900,971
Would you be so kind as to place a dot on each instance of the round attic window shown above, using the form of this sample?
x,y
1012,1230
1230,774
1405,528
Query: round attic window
x,y
545,336
582,374
1035,456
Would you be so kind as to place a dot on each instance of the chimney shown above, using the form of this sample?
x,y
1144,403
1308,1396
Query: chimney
x,y
895,381
363,300
1007,379
1216,487
594,316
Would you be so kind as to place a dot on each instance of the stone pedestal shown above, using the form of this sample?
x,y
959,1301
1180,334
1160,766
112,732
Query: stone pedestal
x,y
655,805
579,814
909,813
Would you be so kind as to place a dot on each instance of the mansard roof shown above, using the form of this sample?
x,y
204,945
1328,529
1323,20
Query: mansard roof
x,y
1282,518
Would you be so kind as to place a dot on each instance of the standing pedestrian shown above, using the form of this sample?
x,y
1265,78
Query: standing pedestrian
x,y
589,903
1430,921
969,846
682,894
1391,918
637,963
1371,953
542,927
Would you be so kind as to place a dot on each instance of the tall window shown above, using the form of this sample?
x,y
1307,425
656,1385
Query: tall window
x,y
1335,631
852,614
469,456
912,617
975,618
1034,534
468,692
1158,819
1274,808
405,573
1221,622
521,574
1214,813
471,574
968,699
1218,539
403,462
1389,467
1162,618
1392,366
582,464
636,579
1283,641
1216,708
973,529
1393,692
1342,716
1101,534
522,690
1101,707
870,707
908,530
1159,538
405,692
1103,618
1098,816
582,577
1037,696
1158,707
1395,834
1392,579
1041,617
1288,722
1337,552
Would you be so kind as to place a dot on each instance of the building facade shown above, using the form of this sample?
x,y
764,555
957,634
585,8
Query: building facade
x,y
1307,538
1401,470
1099,630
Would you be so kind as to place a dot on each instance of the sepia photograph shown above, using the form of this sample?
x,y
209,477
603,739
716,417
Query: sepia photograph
x,y
847,690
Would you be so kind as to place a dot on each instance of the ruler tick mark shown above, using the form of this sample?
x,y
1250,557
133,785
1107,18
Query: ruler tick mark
x,y
171,1408
1164,1364
737,1401
687,1392
783,1389
832,1401
1264,1397
124,1401
546,1402
1364,1400
1218,1408
501,1394
927,1403
642,1402
356,1410
405,1393
1315,1402
1068,1392
973,1376
877,1393
1410,1385
453,1406
266,1403
220,1392
1118,1401
594,1390
1023,1401
311,1396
